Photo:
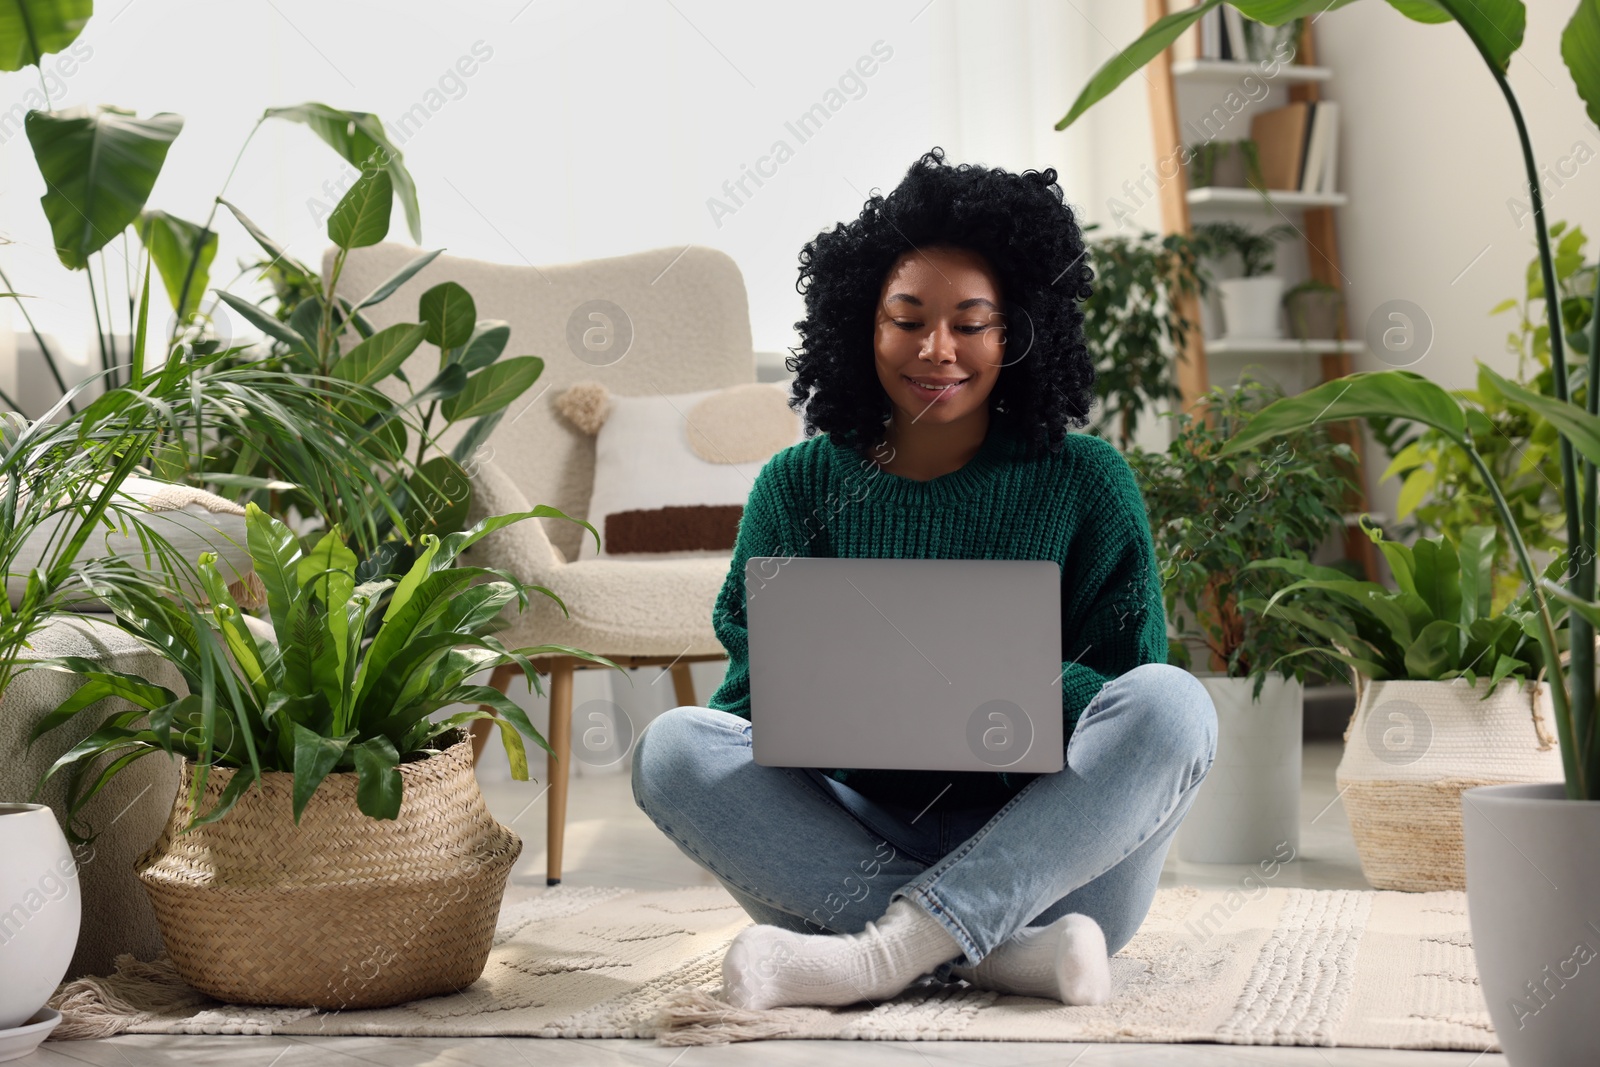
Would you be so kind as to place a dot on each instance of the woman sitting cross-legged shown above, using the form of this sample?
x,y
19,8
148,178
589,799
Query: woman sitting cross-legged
x,y
942,366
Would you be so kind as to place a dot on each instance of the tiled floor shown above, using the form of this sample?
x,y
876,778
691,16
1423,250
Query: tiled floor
x,y
609,842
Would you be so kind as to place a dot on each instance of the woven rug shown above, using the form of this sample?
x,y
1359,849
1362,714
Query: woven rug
x,y
1274,967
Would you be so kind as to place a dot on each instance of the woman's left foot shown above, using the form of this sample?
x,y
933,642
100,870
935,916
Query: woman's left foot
x,y
1064,961
769,967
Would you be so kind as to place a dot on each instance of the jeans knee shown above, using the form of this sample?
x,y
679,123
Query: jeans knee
x,y
669,754
1180,709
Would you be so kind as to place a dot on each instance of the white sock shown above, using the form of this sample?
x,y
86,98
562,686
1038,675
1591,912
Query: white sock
x,y
1064,961
769,967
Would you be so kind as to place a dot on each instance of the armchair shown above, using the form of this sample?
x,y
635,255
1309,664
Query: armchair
x,y
672,320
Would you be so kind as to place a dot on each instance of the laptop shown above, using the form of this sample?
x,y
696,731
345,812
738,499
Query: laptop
x,y
915,664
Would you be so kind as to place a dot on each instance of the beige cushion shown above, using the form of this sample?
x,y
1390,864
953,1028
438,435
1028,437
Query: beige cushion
x,y
672,473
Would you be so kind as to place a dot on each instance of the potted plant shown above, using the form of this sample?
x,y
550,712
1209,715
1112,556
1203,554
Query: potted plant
x,y
1134,321
1533,851
324,814
1210,516
1447,696
1225,164
1249,301
1313,308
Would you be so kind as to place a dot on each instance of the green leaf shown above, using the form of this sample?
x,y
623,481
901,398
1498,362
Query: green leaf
x,y
276,551
1438,576
1495,26
361,217
268,325
440,495
1436,650
380,355
98,169
397,279
315,757
1574,423
450,314
1587,609
487,342
358,136
237,786
1129,60
491,389
171,242
1476,552
516,752
379,787
1383,394
99,683
29,29
268,245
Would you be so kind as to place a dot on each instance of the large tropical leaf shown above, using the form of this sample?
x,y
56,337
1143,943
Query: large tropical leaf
x,y
29,29
1390,393
315,756
98,168
172,243
359,136
1129,60
1495,26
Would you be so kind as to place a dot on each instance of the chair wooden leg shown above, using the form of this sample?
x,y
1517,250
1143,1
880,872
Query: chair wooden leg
x,y
682,684
480,728
557,764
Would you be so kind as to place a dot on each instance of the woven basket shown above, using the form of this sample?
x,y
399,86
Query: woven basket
x,y
1410,750
343,911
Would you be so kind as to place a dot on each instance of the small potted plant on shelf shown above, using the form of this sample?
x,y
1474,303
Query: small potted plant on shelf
x,y
1251,294
1211,515
322,811
1313,308
1447,695
1225,165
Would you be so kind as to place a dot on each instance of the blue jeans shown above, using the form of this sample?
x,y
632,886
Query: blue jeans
x,y
804,852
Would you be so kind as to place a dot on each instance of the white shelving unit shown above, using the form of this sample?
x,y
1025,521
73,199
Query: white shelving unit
x,y
1262,198
1279,346
1227,70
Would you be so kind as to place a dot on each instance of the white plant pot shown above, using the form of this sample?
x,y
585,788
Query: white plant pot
x,y
1533,876
1251,307
1249,804
40,909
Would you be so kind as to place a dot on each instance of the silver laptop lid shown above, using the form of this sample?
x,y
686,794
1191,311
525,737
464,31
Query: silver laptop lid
x,y
919,664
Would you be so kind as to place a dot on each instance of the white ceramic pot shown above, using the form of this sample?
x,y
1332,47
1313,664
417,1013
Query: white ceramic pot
x,y
1533,877
1250,308
1249,804
39,910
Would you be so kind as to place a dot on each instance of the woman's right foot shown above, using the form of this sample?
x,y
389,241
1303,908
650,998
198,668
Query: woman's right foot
x,y
1064,961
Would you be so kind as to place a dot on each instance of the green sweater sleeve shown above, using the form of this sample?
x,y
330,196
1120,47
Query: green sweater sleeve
x,y
759,535
1112,614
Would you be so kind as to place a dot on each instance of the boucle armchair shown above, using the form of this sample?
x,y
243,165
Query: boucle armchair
x,y
672,320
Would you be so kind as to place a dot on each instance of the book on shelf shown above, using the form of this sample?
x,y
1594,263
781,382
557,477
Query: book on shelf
x,y
1218,35
1297,145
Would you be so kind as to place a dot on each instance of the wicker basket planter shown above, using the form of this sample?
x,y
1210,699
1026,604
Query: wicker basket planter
x,y
1410,750
342,911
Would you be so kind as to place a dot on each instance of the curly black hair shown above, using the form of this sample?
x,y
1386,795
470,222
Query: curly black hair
x,y
1023,227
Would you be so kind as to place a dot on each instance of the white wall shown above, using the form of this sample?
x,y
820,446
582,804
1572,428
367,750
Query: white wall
x,y
586,129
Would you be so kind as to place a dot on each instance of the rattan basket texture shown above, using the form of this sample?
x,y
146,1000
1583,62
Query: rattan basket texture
x,y
1411,749
342,911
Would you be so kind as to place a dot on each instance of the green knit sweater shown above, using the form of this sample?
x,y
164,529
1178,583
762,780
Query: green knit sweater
x,y
1079,506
